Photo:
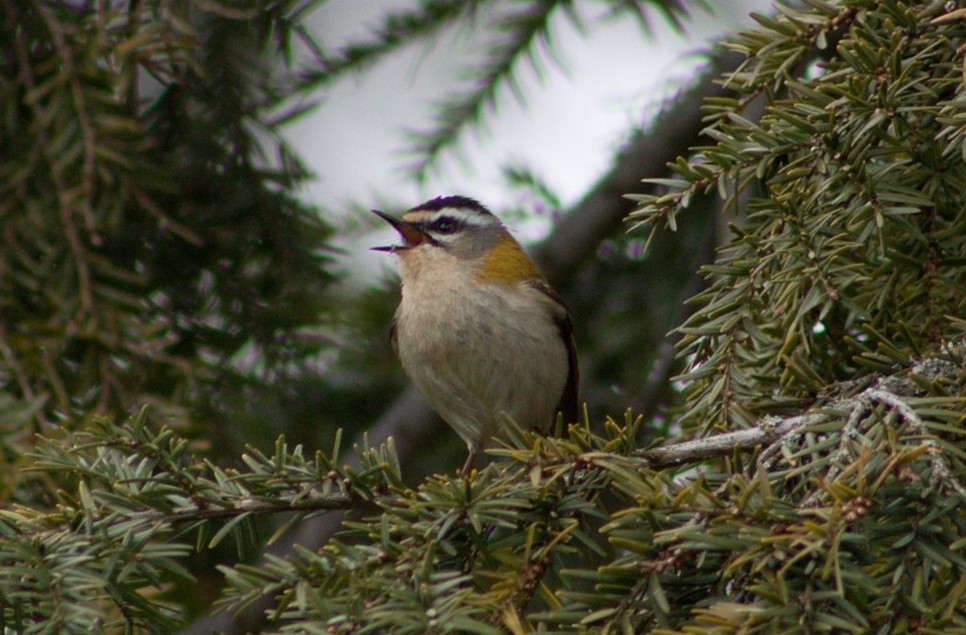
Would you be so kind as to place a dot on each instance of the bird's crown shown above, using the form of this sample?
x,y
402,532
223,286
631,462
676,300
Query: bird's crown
x,y
467,230
445,218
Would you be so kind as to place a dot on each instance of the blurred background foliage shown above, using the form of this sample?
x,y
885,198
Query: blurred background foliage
x,y
154,251
153,248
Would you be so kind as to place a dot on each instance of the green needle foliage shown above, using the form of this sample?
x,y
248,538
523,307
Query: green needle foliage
x,y
848,246
822,490
844,519
137,504
847,524
151,247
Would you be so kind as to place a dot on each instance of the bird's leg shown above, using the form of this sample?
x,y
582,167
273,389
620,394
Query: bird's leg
x,y
468,466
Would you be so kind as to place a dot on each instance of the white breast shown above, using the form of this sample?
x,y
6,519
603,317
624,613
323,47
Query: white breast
x,y
480,352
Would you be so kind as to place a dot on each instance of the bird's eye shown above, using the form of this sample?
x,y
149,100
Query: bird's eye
x,y
445,225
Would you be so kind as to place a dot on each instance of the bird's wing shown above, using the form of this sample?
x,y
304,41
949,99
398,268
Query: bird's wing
x,y
568,404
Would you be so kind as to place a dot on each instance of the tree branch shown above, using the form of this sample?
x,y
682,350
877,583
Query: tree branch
x,y
573,241
576,236
769,430
316,502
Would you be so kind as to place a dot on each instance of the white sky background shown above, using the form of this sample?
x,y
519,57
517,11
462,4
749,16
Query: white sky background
x,y
610,80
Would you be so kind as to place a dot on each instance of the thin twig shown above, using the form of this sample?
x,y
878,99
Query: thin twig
x,y
768,432
64,195
164,221
940,469
316,502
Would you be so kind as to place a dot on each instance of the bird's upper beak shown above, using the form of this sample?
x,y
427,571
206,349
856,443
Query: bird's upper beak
x,y
411,234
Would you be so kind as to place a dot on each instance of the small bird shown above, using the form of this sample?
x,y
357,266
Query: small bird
x,y
478,329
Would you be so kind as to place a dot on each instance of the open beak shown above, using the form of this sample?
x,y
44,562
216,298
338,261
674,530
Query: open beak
x,y
411,235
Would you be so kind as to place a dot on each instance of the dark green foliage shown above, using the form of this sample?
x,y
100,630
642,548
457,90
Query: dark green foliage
x,y
823,490
850,242
137,503
849,521
150,245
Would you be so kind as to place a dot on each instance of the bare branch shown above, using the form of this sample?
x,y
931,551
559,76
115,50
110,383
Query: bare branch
x,y
769,430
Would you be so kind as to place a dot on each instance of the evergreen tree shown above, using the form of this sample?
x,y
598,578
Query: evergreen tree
x,y
815,479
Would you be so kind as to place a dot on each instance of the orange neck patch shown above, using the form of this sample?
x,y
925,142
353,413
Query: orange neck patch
x,y
507,263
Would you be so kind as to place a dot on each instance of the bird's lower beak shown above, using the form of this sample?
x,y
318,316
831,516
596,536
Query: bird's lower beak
x,y
411,235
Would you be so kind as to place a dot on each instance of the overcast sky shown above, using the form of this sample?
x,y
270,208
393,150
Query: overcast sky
x,y
612,79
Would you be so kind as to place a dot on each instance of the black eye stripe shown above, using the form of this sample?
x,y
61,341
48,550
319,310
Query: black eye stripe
x,y
445,225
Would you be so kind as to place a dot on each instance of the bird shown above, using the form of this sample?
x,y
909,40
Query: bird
x,y
478,330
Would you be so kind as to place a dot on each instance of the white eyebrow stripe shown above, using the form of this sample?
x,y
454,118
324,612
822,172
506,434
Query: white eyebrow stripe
x,y
470,217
